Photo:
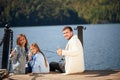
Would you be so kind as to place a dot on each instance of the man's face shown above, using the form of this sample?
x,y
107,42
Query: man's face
x,y
67,34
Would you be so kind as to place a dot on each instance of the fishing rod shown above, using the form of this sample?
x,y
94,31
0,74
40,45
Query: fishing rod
x,y
62,57
49,51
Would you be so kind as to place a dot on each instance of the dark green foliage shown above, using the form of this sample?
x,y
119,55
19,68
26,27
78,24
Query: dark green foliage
x,y
58,12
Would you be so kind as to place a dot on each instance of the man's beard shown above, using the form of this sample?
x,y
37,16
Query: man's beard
x,y
70,37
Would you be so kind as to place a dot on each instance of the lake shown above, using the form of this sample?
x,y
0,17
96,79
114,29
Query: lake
x,y
101,43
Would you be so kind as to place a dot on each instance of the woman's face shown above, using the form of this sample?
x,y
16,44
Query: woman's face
x,y
22,41
33,50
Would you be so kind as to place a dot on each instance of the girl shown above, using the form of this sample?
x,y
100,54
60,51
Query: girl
x,y
18,55
38,60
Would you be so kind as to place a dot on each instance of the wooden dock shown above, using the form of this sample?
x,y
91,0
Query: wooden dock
x,y
87,75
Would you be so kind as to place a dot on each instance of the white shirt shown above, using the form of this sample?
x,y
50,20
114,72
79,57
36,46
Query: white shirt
x,y
74,58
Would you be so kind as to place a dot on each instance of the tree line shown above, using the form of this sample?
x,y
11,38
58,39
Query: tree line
x,y
58,12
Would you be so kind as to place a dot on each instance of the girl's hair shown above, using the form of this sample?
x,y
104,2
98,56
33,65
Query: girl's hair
x,y
18,41
38,50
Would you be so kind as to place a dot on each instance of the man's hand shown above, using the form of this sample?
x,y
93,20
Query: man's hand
x,y
59,51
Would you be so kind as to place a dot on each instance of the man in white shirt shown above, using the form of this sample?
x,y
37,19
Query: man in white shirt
x,y
73,53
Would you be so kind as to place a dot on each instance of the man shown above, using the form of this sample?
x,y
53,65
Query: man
x,y
73,53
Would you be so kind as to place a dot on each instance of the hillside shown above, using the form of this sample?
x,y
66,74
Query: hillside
x,y
58,12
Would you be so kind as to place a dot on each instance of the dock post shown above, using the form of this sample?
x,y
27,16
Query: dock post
x,y
6,46
80,33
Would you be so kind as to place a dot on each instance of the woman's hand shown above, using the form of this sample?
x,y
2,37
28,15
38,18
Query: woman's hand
x,y
29,56
12,53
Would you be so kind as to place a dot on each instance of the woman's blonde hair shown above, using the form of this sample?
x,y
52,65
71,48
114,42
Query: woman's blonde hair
x,y
38,50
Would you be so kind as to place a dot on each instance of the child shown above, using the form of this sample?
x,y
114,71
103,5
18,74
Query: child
x,y
38,60
18,55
